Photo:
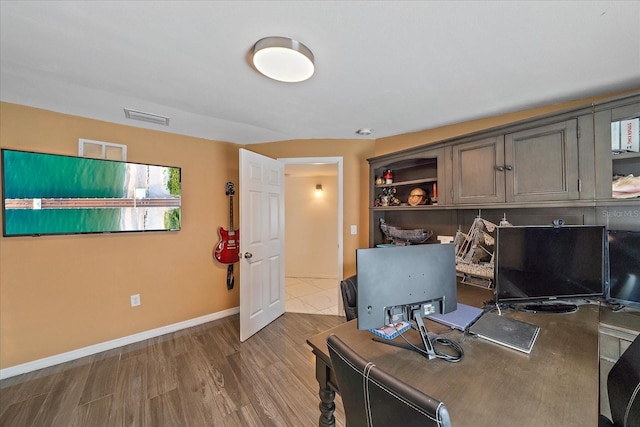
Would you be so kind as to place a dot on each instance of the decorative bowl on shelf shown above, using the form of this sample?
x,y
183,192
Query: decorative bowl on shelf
x,y
403,237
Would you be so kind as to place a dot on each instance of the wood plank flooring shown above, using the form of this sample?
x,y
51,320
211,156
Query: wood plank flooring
x,y
200,376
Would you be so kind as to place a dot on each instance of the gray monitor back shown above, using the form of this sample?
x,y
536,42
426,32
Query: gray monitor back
x,y
404,275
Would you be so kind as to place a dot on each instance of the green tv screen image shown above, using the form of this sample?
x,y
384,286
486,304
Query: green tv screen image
x,y
55,194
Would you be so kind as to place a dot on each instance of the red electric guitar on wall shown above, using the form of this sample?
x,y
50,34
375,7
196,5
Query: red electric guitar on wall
x,y
228,249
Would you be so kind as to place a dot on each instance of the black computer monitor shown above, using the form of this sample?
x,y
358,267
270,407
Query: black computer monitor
x,y
624,268
546,263
405,283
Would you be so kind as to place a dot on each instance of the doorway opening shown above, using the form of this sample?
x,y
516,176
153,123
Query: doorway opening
x,y
313,234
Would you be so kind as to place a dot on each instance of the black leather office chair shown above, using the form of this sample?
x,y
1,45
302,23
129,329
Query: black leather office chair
x,y
373,397
349,290
623,386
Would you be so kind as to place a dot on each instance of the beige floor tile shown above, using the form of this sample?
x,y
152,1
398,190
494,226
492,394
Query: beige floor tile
x,y
312,295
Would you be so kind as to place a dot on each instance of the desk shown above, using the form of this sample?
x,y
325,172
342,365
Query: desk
x,y
557,384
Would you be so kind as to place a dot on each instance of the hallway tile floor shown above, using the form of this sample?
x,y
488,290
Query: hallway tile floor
x,y
312,295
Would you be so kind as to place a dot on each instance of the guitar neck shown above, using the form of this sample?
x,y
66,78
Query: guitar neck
x,y
231,213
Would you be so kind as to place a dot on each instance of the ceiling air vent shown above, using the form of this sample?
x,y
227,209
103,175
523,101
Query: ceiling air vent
x,y
146,117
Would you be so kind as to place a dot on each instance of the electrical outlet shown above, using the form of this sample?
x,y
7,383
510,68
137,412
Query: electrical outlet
x,y
135,300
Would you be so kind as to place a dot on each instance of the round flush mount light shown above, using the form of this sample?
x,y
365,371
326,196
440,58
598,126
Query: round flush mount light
x,y
283,59
364,131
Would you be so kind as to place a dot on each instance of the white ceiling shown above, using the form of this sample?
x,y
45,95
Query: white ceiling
x,y
393,66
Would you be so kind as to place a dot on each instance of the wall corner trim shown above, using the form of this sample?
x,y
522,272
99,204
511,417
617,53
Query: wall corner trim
x,y
109,345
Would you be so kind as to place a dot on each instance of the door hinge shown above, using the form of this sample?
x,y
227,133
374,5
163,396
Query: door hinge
x,y
579,185
578,132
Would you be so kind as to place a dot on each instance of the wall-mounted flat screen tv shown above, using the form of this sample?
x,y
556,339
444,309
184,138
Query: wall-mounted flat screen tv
x,y
46,194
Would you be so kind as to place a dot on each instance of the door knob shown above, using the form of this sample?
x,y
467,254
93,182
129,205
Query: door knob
x,y
508,167
248,255
500,168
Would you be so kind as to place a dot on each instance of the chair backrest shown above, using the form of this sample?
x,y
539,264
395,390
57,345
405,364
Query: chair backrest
x,y
349,290
373,397
623,385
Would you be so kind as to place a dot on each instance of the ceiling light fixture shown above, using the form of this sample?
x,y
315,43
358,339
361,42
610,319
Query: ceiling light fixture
x,y
283,59
364,131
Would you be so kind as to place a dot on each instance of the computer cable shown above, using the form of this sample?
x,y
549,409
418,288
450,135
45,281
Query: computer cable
x,y
439,354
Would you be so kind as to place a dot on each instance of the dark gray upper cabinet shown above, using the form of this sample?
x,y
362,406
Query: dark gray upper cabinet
x,y
538,164
542,163
476,178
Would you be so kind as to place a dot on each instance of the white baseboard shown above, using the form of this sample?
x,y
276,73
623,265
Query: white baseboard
x,y
108,345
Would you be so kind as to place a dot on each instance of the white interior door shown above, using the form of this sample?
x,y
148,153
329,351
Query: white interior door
x,y
262,296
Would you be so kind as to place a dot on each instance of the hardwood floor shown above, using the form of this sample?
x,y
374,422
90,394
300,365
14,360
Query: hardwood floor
x,y
201,376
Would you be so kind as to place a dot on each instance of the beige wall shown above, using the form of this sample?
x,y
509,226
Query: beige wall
x,y
311,224
62,293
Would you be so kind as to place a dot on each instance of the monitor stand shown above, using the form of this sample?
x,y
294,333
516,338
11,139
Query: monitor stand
x,y
422,330
541,307
428,350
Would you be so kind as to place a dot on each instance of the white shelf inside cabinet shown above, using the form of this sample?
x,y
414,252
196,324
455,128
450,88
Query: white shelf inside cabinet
x,y
625,155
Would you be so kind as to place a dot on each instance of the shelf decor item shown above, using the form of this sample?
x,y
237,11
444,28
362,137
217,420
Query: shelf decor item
x,y
475,251
387,198
402,237
388,176
418,196
626,187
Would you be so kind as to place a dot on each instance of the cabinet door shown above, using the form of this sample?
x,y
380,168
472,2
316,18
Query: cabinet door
x,y
542,163
475,175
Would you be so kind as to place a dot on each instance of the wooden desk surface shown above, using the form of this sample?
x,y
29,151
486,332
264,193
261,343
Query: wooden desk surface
x,y
557,384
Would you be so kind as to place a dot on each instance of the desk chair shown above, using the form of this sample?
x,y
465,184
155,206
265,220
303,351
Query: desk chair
x,y
623,385
349,290
373,397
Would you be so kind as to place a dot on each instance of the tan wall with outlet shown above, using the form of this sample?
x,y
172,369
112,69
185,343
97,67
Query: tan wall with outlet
x,y
62,293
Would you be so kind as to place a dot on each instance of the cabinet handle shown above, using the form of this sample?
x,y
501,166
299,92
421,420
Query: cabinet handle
x,y
500,168
509,167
